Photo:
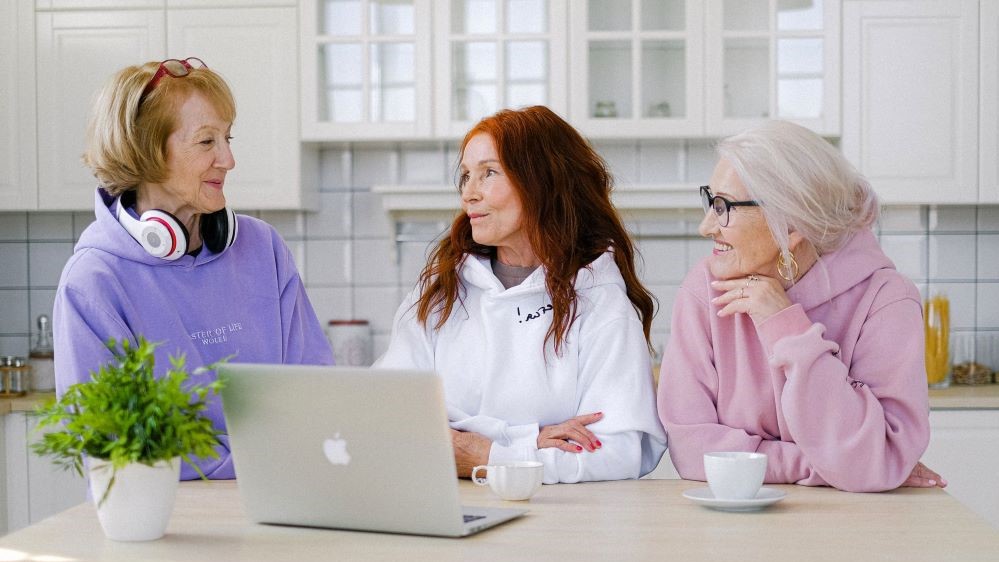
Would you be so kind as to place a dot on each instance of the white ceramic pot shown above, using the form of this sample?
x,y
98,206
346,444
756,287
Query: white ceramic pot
x,y
139,504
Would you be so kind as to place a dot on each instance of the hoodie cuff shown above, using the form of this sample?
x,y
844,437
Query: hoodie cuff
x,y
791,321
523,445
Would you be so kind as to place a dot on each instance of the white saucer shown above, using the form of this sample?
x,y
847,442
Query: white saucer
x,y
765,497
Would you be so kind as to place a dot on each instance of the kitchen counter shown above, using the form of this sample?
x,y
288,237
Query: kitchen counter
x,y
964,397
624,520
24,403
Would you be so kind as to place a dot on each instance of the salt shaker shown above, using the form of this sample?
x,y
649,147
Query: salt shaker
x,y
351,341
43,368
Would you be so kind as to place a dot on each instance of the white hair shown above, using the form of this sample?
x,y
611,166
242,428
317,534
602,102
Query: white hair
x,y
802,183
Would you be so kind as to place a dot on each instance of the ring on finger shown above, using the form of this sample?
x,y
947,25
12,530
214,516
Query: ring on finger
x,y
754,278
742,292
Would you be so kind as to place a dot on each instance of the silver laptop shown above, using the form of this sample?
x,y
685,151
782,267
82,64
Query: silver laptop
x,y
347,448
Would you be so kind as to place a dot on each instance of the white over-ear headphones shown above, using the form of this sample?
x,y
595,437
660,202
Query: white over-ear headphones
x,y
164,236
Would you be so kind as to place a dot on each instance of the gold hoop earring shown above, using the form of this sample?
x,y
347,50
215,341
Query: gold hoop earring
x,y
783,267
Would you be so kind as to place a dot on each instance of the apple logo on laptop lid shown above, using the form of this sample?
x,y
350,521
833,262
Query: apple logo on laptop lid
x,y
336,450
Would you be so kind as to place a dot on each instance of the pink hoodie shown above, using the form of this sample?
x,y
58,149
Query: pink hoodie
x,y
832,388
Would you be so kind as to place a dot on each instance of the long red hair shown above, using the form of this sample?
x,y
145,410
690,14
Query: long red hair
x,y
564,187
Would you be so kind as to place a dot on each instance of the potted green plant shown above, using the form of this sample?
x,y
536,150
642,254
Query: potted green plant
x,y
133,430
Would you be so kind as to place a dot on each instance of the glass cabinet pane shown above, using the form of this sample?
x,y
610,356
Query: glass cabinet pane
x,y
526,73
393,82
473,70
392,17
609,15
799,78
343,79
799,14
610,79
746,15
799,56
799,98
341,17
663,15
526,16
746,82
473,16
664,80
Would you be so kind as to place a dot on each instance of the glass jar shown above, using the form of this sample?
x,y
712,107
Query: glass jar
x,y
351,341
16,376
936,322
41,357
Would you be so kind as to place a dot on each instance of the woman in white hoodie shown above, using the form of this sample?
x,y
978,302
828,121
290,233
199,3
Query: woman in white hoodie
x,y
532,312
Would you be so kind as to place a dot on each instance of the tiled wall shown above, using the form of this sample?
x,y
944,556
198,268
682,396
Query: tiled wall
x,y
354,265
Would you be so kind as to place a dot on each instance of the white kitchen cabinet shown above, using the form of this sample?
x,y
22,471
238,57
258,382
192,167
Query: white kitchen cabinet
x,y
36,488
910,121
366,69
772,59
18,181
254,48
495,54
77,52
988,134
637,68
964,449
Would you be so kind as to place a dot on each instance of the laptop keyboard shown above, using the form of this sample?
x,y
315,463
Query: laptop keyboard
x,y
468,518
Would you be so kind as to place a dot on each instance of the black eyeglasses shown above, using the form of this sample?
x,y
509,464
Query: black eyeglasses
x,y
721,205
174,67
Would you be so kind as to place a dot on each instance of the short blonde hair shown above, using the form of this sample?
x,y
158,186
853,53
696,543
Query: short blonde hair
x,y
127,133
802,183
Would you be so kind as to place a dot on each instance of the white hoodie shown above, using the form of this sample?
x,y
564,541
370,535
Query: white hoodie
x,y
498,383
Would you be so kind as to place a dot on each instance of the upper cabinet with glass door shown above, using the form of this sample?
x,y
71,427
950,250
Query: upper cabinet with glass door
x,y
772,59
496,54
637,67
366,69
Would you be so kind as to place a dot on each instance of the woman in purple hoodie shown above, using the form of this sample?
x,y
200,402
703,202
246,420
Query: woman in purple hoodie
x,y
165,258
796,337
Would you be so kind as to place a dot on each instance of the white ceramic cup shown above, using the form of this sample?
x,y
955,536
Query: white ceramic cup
x,y
511,481
735,475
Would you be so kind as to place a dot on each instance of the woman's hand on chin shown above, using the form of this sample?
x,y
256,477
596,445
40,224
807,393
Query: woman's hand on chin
x,y
758,296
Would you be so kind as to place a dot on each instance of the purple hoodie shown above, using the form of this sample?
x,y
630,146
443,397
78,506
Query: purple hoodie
x,y
832,388
247,301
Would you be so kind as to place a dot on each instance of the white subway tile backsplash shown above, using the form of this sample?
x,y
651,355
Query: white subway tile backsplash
x,y
412,259
289,224
13,311
329,263
988,257
908,251
13,264
988,306
377,305
952,256
333,218
622,159
952,219
332,303
334,169
40,301
903,218
375,263
297,249
81,220
424,166
45,262
50,226
15,345
988,218
371,220
13,227
375,166
660,162
697,250
380,343
701,160
662,261
665,294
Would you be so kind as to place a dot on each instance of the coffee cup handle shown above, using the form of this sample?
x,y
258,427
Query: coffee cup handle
x,y
480,481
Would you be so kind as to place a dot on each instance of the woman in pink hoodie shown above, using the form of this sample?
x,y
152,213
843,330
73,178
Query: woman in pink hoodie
x,y
796,337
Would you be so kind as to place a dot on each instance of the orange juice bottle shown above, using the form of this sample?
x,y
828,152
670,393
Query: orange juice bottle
x,y
936,322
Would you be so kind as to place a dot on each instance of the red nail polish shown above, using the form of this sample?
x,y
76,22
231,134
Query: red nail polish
x,y
599,444
578,448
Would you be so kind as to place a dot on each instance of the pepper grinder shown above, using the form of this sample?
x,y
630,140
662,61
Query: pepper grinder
x,y
43,375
